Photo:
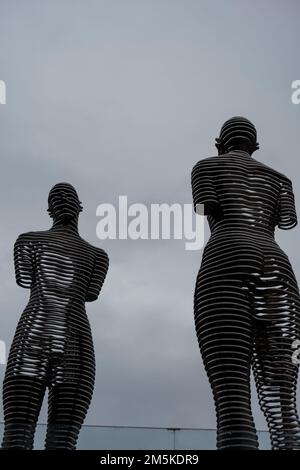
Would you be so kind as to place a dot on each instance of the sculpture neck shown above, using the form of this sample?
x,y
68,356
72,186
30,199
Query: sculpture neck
x,y
70,227
242,153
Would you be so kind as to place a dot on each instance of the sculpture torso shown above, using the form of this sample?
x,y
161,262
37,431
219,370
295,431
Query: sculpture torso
x,y
63,271
245,195
244,201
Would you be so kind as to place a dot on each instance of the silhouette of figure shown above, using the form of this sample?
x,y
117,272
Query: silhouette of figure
x,y
52,347
246,303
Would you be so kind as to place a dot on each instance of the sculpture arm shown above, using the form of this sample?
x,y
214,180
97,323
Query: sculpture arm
x,y
23,261
98,276
203,189
287,214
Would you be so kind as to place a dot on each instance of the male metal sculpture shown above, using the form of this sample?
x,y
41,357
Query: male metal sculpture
x,y
247,304
53,346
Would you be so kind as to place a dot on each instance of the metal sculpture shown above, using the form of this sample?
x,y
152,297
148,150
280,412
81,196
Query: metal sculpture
x,y
53,347
246,303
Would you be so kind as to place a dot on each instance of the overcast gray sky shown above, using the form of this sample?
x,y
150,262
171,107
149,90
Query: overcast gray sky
x,y
123,97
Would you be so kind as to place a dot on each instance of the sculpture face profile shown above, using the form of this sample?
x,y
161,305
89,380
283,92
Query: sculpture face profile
x,y
246,303
53,347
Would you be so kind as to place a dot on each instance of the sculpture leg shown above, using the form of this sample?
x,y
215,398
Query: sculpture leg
x,y
67,410
70,395
276,381
225,333
22,400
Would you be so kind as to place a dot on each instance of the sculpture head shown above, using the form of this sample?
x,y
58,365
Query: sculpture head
x,y
238,133
63,203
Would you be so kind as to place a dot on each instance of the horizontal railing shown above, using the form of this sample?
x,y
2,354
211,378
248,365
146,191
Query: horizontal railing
x,y
131,437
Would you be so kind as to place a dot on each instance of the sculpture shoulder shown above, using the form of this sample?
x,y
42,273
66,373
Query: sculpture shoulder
x,y
99,253
212,165
206,164
29,237
280,177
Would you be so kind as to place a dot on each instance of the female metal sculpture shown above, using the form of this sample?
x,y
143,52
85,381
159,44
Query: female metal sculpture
x,y
247,304
53,346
